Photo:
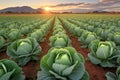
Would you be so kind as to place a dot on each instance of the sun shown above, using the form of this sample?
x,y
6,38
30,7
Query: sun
x,y
47,8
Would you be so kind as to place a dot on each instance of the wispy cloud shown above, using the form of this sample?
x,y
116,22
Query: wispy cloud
x,y
67,4
108,1
102,5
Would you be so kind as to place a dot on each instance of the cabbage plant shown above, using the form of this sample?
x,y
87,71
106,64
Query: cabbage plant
x,y
58,28
9,70
3,44
26,29
86,38
59,31
78,31
112,76
84,32
62,64
38,35
60,40
115,37
103,33
90,28
14,34
103,53
4,32
24,50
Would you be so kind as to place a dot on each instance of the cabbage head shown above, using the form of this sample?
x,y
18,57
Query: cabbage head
x,y
38,35
60,40
112,76
115,37
86,38
103,53
78,31
90,28
102,33
59,31
24,50
4,32
26,29
9,70
62,64
14,34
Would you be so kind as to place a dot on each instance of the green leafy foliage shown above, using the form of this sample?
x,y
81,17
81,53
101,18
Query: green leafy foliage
x,y
112,76
58,29
86,38
25,30
103,53
2,41
60,40
38,35
115,37
62,64
9,70
14,34
24,50
102,33
4,32
3,44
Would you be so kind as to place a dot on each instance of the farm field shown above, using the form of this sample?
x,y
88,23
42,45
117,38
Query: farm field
x,y
96,37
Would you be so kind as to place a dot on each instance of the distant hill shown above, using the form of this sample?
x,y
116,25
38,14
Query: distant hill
x,y
23,9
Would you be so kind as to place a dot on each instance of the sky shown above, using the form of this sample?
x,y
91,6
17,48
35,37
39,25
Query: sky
x,y
65,5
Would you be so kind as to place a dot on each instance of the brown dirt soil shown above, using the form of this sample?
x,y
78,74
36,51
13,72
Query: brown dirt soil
x,y
3,55
95,71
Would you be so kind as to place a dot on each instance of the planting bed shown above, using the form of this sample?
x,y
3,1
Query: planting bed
x,y
30,70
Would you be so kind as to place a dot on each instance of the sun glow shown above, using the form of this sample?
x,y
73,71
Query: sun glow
x,y
47,8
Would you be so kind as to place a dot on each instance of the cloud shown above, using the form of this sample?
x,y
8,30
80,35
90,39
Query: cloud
x,y
102,1
106,4
102,5
67,4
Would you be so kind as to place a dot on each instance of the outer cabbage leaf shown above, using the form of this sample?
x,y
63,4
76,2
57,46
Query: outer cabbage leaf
x,y
9,70
112,76
2,41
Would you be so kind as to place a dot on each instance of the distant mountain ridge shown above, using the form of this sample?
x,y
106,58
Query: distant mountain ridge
x,y
24,9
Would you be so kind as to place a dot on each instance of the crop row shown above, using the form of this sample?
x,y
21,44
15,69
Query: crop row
x,y
61,54
103,42
20,39
62,62
35,29
23,47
